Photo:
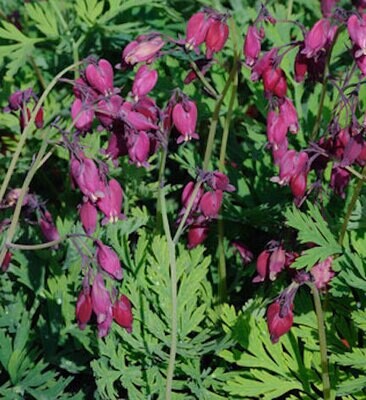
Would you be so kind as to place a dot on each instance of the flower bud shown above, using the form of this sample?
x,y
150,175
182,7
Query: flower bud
x,y
216,37
88,216
108,260
318,38
48,228
279,323
6,261
185,118
122,313
245,254
100,76
83,309
145,81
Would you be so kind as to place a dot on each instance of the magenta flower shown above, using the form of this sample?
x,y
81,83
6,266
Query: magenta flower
x,y
319,38
111,203
187,193
185,119
142,49
263,64
276,128
216,37
252,46
210,203
219,181
262,266
274,82
245,254
88,216
276,262
48,228
289,114
122,313
322,273
101,299
100,76
327,7
83,308
86,176
197,234
82,114
196,30
108,260
6,261
339,181
145,81
107,109
279,320
138,148
300,67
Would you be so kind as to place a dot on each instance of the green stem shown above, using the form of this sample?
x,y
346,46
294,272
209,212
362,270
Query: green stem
x,y
159,216
215,118
316,127
351,205
18,246
322,342
204,81
179,231
38,73
28,129
173,281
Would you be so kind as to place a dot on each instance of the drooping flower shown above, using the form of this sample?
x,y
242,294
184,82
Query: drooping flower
x,y
197,234
319,38
279,320
216,37
100,76
88,216
322,273
122,313
145,48
210,203
185,119
84,308
111,203
101,299
252,45
196,30
108,260
145,81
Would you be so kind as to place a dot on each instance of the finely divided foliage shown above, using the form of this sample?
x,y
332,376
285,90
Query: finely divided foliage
x,y
182,201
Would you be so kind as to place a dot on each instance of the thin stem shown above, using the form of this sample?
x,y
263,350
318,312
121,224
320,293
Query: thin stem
x,y
18,246
316,127
179,231
322,342
204,81
215,118
354,172
163,157
351,206
173,281
38,73
27,130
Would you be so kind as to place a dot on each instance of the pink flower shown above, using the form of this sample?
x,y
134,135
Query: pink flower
x,y
245,254
107,109
263,64
289,114
319,38
252,46
88,216
86,176
196,31
83,308
122,313
197,234
82,114
327,7
111,203
262,266
276,128
6,261
187,193
100,76
108,260
322,273
138,148
357,32
185,119
276,262
142,49
48,228
210,203
101,299
279,321
145,81
274,82
216,37
219,181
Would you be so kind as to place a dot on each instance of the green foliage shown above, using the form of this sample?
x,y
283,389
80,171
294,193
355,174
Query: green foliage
x,y
312,229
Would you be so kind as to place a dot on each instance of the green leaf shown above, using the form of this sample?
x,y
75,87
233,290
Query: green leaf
x,y
44,17
312,228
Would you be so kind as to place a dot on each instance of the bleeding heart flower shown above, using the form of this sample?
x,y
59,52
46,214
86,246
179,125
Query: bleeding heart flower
x,y
122,313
